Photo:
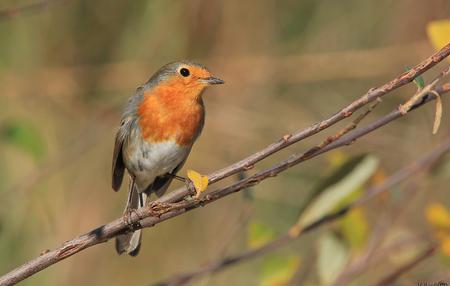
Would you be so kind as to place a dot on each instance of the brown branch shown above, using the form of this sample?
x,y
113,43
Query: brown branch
x,y
172,204
408,171
32,7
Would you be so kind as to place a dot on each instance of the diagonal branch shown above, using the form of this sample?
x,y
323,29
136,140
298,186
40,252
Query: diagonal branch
x,y
172,204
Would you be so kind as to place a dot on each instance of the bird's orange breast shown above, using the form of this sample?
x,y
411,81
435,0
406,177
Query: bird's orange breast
x,y
171,112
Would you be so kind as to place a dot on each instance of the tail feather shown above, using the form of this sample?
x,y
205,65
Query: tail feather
x,y
131,242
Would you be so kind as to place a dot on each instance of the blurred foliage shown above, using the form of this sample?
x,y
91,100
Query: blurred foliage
x,y
355,228
279,270
67,70
439,33
439,218
341,192
333,254
259,234
24,136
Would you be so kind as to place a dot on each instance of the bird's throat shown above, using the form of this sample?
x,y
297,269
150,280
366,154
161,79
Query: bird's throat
x,y
166,114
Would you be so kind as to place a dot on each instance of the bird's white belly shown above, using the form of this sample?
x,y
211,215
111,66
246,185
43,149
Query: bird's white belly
x,y
154,159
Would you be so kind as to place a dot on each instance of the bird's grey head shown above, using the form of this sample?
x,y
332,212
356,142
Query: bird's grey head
x,y
187,72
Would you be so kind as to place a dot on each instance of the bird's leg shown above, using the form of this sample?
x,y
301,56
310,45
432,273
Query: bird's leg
x,y
127,216
128,213
189,184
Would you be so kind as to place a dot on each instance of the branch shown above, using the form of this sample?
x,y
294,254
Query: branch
x,y
173,204
419,165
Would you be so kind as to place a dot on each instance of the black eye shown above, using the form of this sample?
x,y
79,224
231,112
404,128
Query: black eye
x,y
184,72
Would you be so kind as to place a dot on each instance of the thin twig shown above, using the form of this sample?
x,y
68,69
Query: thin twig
x,y
172,204
404,108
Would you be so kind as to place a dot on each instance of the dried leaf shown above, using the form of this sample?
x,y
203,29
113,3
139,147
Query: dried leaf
x,y
438,114
200,181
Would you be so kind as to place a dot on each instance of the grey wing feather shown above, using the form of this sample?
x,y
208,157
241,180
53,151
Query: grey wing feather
x,y
118,166
129,120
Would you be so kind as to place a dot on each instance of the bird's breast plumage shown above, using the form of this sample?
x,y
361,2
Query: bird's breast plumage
x,y
171,113
148,160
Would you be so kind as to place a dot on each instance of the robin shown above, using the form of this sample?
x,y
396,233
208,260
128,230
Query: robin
x,y
159,125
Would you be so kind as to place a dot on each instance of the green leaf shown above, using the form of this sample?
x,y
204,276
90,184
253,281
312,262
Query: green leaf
x,y
355,228
343,168
333,196
332,258
24,136
418,80
279,270
259,234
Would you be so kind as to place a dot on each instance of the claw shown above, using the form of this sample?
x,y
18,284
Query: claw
x,y
192,189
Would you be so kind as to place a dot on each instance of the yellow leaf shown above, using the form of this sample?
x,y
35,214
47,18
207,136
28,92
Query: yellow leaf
x,y
445,246
279,270
337,158
200,181
438,116
441,235
438,215
355,228
439,33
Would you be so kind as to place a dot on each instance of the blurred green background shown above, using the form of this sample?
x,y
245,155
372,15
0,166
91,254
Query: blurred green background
x,y
67,70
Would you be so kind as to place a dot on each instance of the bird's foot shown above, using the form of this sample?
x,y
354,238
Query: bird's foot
x,y
192,189
189,185
127,218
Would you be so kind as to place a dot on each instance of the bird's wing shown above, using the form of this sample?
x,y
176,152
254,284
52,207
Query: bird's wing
x,y
129,118
118,166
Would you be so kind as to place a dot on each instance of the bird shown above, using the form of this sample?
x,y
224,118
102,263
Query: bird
x,y
158,128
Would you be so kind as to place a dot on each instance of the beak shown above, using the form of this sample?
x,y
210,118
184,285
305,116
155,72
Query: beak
x,y
211,80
